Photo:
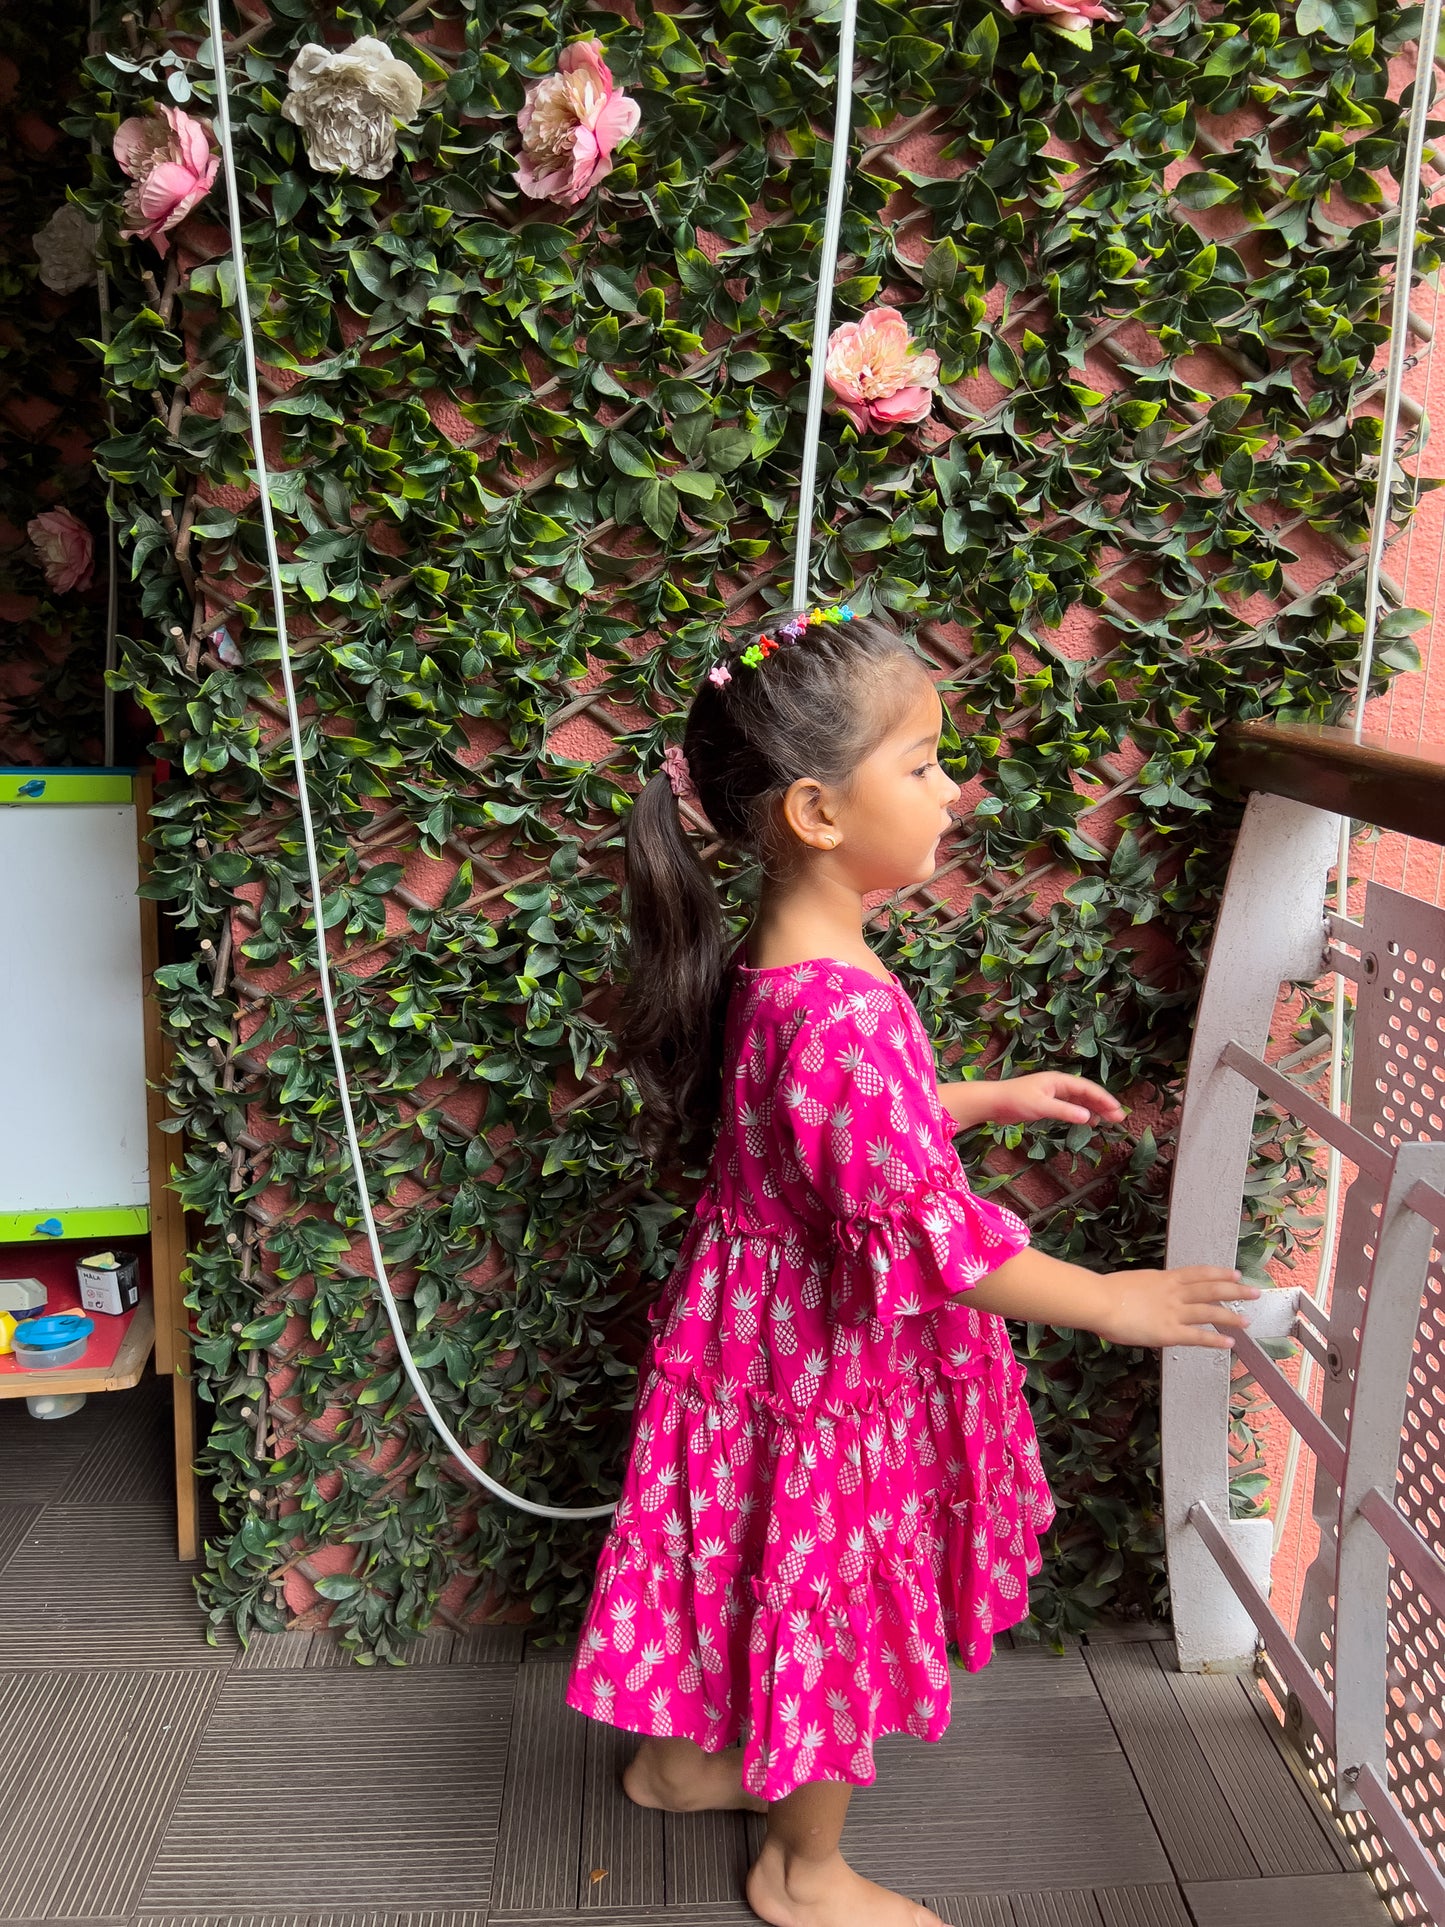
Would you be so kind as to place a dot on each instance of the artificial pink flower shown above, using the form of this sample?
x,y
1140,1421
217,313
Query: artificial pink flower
x,y
65,549
879,379
169,157
570,123
1067,16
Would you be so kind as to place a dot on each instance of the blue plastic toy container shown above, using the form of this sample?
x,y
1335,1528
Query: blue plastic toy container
x,y
49,1344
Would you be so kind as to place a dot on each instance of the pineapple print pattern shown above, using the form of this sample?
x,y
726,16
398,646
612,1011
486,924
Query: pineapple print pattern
x,y
834,1476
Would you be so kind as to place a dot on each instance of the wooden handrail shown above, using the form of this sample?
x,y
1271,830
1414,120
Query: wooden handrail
x,y
1387,780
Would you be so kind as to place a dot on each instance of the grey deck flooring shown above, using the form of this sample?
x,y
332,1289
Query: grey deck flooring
x,y
150,1780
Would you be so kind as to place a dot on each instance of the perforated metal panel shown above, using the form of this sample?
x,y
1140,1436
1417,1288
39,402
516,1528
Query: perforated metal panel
x,y
1397,1095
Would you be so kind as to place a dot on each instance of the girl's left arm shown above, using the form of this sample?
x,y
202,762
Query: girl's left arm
x,y
1024,1100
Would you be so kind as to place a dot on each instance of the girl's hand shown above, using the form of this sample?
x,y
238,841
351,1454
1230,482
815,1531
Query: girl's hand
x,y
1020,1100
1023,1100
1179,1307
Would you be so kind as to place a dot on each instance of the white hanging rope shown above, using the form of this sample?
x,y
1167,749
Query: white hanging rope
x,y
826,269
303,799
823,312
1407,215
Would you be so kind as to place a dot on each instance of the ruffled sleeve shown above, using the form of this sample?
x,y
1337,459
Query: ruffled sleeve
x,y
858,1117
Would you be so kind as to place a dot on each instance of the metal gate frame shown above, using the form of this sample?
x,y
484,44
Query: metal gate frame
x,y
1273,928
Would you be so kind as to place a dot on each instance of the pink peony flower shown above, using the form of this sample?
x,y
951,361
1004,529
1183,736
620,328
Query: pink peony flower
x,y
169,157
879,379
65,549
1067,16
570,123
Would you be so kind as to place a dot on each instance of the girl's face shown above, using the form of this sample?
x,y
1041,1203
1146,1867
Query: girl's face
x,y
886,821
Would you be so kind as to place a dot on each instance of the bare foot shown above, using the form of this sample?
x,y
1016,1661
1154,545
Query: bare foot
x,y
825,1893
680,1778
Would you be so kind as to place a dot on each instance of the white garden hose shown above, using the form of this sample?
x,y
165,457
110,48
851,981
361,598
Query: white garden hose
x,y
827,264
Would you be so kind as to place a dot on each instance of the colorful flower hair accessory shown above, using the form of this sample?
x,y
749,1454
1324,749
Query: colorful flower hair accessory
x,y
796,626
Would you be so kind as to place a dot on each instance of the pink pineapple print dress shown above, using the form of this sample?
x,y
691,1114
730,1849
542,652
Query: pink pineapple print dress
x,y
833,1471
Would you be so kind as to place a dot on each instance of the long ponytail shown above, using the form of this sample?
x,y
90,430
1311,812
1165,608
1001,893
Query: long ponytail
x,y
816,708
673,1007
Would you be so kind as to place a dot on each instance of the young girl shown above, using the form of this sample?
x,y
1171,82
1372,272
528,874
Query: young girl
x,y
833,1472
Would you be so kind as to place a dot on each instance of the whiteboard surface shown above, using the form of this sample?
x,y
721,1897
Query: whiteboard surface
x,y
72,1042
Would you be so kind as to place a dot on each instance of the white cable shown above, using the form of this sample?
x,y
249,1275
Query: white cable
x,y
822,313
1407,214
303,798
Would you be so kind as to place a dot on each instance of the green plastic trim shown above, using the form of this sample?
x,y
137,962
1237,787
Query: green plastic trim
x,y
29,786
108,1221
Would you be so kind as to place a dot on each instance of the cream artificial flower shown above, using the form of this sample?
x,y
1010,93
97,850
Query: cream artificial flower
x,y
347,105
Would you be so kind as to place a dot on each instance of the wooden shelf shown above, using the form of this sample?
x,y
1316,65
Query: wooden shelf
x,y
124,1370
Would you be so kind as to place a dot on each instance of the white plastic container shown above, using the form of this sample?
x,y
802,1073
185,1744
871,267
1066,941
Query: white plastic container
x,y
55,1404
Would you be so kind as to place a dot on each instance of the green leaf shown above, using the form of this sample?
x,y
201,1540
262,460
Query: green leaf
x,y
615,288
727,448
941,265
866,533
262,1332
288,197
337,1585
701,488
659,507
1003,363
628,456
603,338
1403,622
980,49
213,525
1202,189
1337,20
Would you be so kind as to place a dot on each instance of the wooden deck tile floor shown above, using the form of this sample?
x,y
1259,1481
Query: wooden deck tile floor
x,y
150,1780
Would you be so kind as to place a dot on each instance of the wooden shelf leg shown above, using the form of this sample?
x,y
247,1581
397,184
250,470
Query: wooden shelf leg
x,y
168,1223
188,1533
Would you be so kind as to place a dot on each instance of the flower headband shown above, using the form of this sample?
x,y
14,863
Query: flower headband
x,y
758,652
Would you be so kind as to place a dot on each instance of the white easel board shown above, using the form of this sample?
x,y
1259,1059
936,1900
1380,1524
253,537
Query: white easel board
x,y
73,1145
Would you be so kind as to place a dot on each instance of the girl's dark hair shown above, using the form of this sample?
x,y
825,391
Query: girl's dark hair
x,y
816,707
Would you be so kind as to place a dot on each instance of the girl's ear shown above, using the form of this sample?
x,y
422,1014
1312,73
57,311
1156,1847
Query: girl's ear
x,y
808,811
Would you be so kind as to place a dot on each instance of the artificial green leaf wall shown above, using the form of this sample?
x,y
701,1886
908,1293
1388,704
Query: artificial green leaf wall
x,y
530,459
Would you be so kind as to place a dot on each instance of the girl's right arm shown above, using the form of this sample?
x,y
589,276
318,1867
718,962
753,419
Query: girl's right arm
x,y
1150,1308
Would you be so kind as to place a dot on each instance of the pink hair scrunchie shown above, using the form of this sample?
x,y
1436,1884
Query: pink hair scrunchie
x,y
678,772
